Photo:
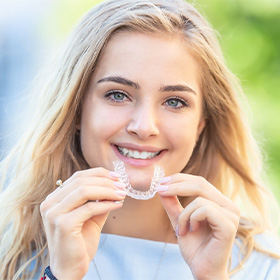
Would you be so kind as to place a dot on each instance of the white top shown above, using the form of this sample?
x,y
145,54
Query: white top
x,y
125,258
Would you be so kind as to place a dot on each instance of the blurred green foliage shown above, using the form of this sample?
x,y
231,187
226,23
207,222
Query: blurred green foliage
x,y
250,38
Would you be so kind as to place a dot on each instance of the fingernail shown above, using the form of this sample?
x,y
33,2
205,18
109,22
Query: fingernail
x,y
164,180
119,201
120,185
162,188
177,231
114,174
121,193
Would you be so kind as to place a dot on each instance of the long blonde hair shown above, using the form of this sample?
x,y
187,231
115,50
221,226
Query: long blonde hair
x,y
226,153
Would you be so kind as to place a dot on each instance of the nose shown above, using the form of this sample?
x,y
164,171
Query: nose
x,y
144,122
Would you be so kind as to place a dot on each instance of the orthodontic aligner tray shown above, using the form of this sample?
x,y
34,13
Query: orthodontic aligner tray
x,y
144,195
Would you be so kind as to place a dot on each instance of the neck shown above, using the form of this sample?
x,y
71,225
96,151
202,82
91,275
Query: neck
x,y
145,219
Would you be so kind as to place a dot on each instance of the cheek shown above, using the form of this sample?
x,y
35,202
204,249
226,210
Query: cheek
x,y
181,131
100,123
182,140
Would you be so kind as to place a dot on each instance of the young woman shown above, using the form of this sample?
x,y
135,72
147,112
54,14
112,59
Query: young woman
x,y
144,83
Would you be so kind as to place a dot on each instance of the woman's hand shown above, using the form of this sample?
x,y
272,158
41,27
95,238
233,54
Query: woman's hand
x,y
206,228
73,217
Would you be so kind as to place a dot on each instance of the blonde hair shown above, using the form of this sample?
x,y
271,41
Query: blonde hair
x,y
226,153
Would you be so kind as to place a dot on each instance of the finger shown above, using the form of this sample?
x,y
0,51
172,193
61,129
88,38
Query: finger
x,y
201,209
91,226
66,222
85,194
94,172
98,211
79,180
81,195
195,186
52,193
82,177
173,208
93,176
222,229
87,183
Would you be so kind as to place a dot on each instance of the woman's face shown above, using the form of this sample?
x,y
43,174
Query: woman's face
x,y
143,106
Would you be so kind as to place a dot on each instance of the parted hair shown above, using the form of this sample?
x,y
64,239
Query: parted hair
x,y
226,153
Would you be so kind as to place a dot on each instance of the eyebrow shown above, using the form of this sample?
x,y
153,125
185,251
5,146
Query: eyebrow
x,y
120,80
177,88
126,82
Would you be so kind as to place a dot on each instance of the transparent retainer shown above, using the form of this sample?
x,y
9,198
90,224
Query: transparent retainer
x,y
158,174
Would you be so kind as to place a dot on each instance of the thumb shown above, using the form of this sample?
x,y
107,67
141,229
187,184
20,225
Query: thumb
x,y
101,219
173,208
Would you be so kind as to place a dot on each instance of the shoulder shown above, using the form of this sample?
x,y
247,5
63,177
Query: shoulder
x,y
268,242
261,265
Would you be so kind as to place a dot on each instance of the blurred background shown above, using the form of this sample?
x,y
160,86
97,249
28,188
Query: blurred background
x,y
30,31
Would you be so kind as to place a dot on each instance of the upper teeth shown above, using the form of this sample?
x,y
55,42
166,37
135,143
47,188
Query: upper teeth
x,y
137,154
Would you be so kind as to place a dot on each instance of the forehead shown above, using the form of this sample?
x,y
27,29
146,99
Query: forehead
x,y
149,56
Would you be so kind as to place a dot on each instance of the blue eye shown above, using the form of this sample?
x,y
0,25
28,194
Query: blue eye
x,y
176,103
116,96
173,102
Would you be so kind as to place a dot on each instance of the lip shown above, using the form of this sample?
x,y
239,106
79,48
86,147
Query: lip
x,y
138,162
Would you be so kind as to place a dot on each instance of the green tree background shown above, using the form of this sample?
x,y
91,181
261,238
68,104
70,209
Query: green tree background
x,y
249,32
250,38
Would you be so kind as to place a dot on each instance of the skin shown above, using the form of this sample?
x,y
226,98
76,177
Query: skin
x,y
137,119
156,105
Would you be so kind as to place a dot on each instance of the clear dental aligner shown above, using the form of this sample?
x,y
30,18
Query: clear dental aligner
x,y
158,174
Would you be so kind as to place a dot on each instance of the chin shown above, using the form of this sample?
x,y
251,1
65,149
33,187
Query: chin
x,y
140,186
140,182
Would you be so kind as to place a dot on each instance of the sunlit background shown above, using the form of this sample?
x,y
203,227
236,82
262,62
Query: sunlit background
x,y
30,30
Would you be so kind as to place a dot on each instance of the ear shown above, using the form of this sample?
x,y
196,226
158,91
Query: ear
x,y
200,128
78,129
78,123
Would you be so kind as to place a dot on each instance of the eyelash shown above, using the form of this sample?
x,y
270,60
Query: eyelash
x,y
183,102
111,93
109,96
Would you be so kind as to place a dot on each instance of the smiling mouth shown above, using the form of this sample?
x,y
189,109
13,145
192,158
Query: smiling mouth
x,y
137,154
